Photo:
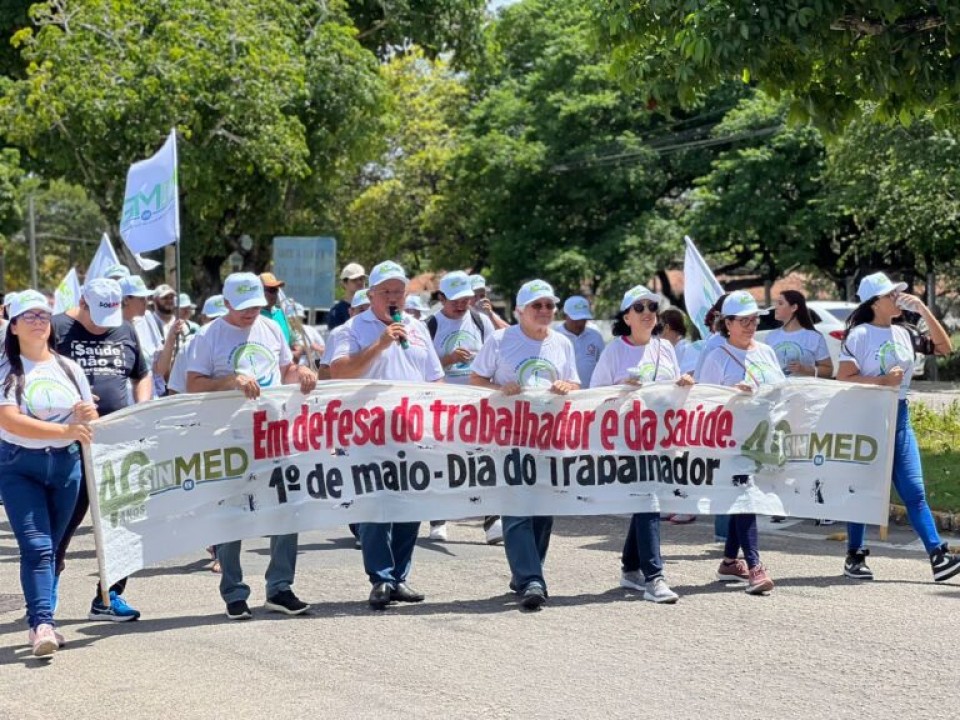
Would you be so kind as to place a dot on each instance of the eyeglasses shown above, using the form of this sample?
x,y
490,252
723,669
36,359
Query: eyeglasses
x,y
641,306
538,306
35,318
748,321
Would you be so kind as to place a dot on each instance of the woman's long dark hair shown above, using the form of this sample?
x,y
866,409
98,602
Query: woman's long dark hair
x,y
11,349
802,315
712,319
862,314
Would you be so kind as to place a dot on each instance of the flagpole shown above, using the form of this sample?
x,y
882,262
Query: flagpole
x,y
176,242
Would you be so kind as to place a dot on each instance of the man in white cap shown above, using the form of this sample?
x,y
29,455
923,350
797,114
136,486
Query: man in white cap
x,y
108,351
353,277
245,351
587,341
383,344
482,303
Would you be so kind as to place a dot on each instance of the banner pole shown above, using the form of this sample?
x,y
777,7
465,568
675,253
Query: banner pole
x,y
95,518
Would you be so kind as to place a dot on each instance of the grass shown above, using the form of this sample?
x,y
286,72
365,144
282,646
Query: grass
x,y
938,434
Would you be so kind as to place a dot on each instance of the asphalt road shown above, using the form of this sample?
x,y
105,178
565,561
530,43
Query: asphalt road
x,y
819,647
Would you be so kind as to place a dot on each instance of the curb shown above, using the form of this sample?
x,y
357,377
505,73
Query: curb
x,y
948,522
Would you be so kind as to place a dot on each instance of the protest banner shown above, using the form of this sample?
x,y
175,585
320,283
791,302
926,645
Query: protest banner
x,y
184,472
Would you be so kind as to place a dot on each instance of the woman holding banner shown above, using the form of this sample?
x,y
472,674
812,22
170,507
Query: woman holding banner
x,y
45,405
745,364
877,351
636,357
528,356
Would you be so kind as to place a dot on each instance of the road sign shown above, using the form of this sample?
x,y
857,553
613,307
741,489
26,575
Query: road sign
x,y
308,265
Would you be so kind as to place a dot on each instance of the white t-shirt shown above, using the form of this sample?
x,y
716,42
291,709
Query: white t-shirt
x,y
509,355
331,345
877,350
178,373
727,365
48,395
653,362
462,333
587,347
418,363
807,347
688,353
260,351
708,346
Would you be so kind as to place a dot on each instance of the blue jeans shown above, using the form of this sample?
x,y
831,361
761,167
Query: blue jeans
x,y
526,540
641,550
908,480
742,534
39,489
388,550
721,526
280,571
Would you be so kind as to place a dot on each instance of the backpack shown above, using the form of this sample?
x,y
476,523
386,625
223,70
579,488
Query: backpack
x,y
474,315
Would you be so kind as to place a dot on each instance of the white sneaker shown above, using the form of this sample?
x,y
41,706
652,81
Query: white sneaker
x,y
495,533
632,580
658,591
438,532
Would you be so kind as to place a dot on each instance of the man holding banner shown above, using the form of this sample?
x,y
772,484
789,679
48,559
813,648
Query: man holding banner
x,y
245,351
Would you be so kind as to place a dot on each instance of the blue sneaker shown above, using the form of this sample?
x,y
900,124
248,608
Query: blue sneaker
x,y
118,611
54,594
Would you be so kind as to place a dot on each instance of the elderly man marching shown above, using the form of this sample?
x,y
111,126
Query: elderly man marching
x,y
220,359
383,344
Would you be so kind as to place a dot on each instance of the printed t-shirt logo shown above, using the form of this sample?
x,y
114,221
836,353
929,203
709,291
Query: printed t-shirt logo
x,y
758,373
788,351
49,399
537,373
256,361
892,354
460,339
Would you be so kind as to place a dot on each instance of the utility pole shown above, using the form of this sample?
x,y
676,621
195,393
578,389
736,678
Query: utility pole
x,y
32,231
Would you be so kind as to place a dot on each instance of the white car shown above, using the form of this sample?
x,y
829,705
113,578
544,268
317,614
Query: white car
x,y
829,318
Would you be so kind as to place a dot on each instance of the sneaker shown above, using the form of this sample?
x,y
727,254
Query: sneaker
x,y
43,640
633,580
658,591
735,572
682,519
438,533
61,640
238,610
855,566
945,564
759,582
494,533
118,611
287,603
533,597
824,522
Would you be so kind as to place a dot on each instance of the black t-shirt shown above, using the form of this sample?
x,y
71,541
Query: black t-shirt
x,y
338,314
107,360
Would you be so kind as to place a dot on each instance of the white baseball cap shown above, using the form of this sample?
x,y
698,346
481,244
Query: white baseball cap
x,y
415,302
352,272
103,298
388,270
117,272
9,298
214,307
360,298
535,290
636,294
577,307
21,302
133,286
478,282
739,304
185,301
456,286
243,290
162,290
876,285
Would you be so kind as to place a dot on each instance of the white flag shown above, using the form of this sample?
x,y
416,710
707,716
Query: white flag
x,y
151,208
67,295
104,259
700,287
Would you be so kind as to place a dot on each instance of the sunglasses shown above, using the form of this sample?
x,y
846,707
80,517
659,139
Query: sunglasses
x,y
538,306
35,318
640,307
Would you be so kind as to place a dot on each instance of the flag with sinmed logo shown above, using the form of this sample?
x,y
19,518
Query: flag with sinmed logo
x,y
700,287
151,212
67,295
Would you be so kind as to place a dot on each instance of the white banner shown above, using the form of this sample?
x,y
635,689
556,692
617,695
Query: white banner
x,y
67,294
151,213
183,472
700,287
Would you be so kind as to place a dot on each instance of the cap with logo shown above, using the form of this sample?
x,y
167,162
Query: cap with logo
x,y
478,282
214,307
535,290
636,294
270,280
116,271
360,298
739,304
352,272
103,298
163,290
185,301
243,290
388,270
577,307
26,300
876,285
456,286
133,286
415,302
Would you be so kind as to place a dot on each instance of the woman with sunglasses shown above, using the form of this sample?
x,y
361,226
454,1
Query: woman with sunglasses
x,y
877,351
45,405
800,349
528,356
745,364
636,357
